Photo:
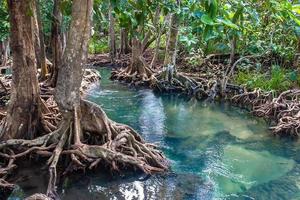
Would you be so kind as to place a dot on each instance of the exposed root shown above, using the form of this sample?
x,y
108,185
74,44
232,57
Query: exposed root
x,y
284,110
169,80
87,142
90,76
140,74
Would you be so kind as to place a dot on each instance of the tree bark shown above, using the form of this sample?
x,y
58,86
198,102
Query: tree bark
x,y
112,35
124,49
41,55
158,38
138,71
85,140
233,49
74,59
24,111
5,51
56,43
171,46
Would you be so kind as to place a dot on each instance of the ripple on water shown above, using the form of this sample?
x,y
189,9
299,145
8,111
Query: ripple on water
x,y
243,169
216,152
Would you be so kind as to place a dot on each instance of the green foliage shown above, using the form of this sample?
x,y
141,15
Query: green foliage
x,y
4,22
278,80
98,45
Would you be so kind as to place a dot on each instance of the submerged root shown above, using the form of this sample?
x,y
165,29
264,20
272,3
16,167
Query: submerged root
x,y
86,142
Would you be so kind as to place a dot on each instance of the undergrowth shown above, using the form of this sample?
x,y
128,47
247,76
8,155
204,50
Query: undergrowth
x,y
278,79
98,45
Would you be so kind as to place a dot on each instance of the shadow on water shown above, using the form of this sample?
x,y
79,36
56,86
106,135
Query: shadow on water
x,y
216,151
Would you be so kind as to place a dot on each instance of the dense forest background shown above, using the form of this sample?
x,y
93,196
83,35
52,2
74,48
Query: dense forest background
x,y
267,29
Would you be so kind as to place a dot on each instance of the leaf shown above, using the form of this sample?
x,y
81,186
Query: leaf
x,y
208,33
228,23
296,20
296,8
198,14
213,8
207,20
293,76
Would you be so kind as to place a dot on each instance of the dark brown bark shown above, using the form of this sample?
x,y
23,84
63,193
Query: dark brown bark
x,y
56,43
24,112
124,49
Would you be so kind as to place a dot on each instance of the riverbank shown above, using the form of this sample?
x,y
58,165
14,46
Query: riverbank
x,y
212,79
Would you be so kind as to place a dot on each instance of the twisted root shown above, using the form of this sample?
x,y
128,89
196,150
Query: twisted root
x,y
87,142
284,110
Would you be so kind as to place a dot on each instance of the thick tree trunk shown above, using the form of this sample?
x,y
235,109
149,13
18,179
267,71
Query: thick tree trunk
x,y
112,36
24,112
124,49
41,54
67,92
56,43
84,141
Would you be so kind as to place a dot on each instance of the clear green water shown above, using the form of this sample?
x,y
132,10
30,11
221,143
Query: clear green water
x,y
216,152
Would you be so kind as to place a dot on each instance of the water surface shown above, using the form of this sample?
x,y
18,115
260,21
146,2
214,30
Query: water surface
x,y
216,151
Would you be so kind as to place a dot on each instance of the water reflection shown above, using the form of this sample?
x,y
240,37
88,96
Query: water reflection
x,y
216,152
152,117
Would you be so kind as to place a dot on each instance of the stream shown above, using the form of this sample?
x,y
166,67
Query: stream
x,y
216,151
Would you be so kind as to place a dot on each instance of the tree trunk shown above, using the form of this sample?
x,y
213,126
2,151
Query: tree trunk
x,y
171,46
169,79
233,49
5,52
23,112
64,36
112,36
41,56
169,70
138,71
124,49
56,43
67,92
158,37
